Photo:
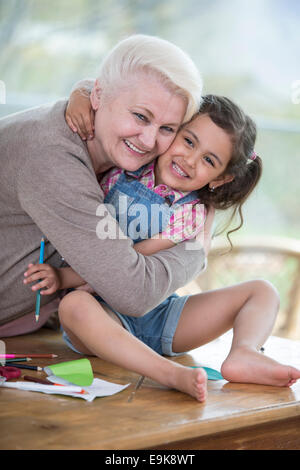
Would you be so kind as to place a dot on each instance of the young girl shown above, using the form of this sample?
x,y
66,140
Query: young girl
x,y
211,163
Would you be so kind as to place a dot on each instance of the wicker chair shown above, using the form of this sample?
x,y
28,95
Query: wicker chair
x,y
274,259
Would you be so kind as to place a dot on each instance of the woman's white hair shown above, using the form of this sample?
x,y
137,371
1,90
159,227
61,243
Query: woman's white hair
x,y
157,57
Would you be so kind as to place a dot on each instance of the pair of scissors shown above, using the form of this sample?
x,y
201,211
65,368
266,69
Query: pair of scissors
x,y
8,372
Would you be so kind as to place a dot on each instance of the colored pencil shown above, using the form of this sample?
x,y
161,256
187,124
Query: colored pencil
x,y
12,356
38,380
38,294
23,359
23,366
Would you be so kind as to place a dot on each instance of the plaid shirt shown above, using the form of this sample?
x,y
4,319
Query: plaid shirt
x,y
187,219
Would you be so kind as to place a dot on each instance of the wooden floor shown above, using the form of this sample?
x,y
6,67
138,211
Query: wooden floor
x,y
235,416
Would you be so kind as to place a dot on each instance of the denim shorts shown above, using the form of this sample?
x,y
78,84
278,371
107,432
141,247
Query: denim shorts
x,y
156,329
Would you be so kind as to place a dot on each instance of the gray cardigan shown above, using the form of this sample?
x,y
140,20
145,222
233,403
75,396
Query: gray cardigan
x,y
48,187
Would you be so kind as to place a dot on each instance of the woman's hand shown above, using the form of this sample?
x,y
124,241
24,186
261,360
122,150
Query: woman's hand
x,y
80,115
47,276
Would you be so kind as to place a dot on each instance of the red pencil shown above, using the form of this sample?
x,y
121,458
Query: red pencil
x,y
38,380
12,356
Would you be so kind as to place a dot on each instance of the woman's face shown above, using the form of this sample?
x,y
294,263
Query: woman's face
x,y
137,124
198,156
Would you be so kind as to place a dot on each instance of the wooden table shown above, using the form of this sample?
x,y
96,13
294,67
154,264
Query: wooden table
x,y
235,416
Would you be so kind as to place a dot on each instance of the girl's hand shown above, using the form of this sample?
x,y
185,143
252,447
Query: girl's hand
x,y
80,115
48,277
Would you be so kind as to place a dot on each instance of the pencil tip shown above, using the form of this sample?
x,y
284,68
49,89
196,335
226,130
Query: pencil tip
x,y
37,318
54,355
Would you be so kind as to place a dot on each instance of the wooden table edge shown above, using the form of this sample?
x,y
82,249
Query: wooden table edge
x,y
212,426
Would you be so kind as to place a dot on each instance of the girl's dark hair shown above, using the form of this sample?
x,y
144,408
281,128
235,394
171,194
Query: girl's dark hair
x,y
246,172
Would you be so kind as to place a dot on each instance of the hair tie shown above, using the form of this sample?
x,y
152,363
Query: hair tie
x,y
253,156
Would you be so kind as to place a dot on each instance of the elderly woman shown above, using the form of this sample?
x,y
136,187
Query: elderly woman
x,y
145,89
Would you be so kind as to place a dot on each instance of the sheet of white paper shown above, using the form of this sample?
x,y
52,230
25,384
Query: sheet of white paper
x,y
99,388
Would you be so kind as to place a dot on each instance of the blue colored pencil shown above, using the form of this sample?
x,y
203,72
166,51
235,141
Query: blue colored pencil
x,y
23,359
38,295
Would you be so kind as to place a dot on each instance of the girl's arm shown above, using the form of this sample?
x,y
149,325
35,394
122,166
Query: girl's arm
x,y
160,242
80,115
153,245
69,278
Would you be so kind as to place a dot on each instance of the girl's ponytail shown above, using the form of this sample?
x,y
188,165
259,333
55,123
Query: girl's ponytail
x,y
246,183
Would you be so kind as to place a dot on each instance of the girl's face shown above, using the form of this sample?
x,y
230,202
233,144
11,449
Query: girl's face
x,y
198,156
137,124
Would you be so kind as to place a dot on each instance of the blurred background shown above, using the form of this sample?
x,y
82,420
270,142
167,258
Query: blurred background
x,y
248,51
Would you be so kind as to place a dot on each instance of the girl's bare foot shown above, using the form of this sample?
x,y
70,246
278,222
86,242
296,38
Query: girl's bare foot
x,y
246,365
190,381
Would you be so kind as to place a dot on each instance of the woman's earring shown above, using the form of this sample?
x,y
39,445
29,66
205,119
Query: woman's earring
x,y
211,189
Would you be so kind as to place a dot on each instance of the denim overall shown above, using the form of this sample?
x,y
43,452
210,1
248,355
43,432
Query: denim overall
x,y
130,201
140,212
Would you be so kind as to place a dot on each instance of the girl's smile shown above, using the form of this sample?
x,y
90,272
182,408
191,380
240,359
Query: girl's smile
x,y
178,170
198,156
